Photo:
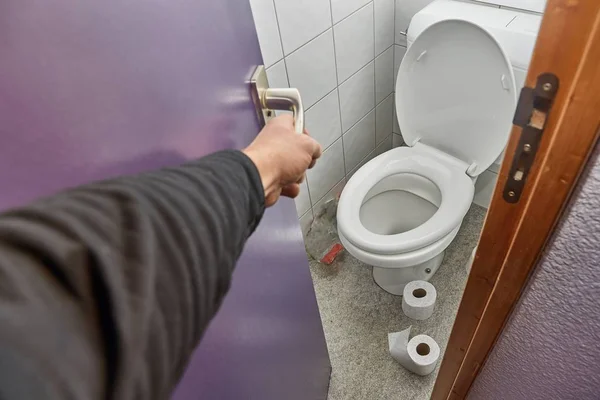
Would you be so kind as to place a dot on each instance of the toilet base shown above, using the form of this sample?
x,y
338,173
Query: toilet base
x,y
393,280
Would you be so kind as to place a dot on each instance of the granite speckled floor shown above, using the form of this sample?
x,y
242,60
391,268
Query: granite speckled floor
x,y
357,315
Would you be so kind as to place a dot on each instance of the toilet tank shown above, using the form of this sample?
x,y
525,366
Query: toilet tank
x,y
516,31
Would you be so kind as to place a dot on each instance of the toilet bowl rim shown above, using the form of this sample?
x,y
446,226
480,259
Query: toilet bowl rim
x,y
400,260
456,190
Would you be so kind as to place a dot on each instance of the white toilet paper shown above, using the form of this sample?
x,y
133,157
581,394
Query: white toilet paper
x,y
420,355
418,300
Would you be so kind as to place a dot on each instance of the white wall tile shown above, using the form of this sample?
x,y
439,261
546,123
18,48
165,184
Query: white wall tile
x,y
359,141
384,116
328,171
399,52
332,195
357,96
301,20
484,188
277,75
323,120
384,75
354,43
303,200
365,160
405,10
306,222
267,29
360,164
384,25
396,128
384,146
397,140
342,8
520,76
311,69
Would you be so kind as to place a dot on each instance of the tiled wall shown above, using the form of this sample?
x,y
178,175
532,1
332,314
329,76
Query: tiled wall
x,y
343,55
340,55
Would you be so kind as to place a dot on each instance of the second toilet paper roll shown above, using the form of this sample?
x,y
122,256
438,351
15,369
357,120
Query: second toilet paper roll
x,y
418,300
419,355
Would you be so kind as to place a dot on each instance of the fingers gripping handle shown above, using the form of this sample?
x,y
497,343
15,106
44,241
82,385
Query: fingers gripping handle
x,y
266,99
285,99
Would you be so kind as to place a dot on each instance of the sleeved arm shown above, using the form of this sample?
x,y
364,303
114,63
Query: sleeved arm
x,y
106,289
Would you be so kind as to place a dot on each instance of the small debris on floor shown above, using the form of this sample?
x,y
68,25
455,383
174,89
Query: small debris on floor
x,y
332,254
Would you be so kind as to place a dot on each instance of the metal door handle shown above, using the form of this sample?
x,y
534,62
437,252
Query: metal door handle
x,y
267,99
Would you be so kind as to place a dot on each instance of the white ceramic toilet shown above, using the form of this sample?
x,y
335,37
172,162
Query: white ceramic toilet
x,y
455,98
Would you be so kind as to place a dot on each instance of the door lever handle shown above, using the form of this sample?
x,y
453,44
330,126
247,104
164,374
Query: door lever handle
x,y
285,99
268,99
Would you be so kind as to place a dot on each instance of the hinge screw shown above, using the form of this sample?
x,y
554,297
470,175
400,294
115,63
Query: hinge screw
x,y
527,148
547,87
428,270
511,194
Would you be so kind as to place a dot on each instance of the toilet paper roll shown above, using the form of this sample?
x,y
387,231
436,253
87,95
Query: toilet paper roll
x,y
418,300
420,355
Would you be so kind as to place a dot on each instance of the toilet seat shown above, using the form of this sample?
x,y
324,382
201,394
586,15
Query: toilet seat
x,y
449,175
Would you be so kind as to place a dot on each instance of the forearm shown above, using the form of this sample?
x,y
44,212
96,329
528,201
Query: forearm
x,y
148,258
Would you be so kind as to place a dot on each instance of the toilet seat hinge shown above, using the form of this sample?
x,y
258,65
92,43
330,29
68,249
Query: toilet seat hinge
x,y
471,169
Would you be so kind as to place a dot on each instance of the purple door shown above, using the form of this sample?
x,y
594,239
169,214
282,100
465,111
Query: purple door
x,y
93,89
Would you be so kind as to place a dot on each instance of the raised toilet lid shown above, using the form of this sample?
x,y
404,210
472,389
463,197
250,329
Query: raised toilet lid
x,y
456,92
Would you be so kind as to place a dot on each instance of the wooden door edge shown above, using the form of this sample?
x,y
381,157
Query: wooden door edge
x,y
514,235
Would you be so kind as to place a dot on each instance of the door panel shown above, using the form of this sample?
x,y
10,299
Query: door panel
x,y
90,90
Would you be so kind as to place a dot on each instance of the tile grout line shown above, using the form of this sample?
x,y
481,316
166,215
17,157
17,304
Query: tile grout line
x,y
321,99
360,120
360,69
287,76
374,78
380,54
394,73
371,152
330,189
337,88
309,196
349,15
384,99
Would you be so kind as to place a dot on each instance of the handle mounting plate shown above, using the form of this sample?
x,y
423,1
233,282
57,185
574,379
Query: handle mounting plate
x,y
258,85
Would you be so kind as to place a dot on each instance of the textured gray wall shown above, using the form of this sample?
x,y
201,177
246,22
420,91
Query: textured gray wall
x,y
550,348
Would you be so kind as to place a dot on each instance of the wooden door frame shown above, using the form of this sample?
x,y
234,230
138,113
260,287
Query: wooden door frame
x,y
514,235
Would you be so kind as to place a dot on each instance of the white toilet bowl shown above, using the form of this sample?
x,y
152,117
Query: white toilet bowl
x,y
455,97
405,207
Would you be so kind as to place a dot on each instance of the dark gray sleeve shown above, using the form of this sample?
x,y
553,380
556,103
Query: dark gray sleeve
x,y
106,289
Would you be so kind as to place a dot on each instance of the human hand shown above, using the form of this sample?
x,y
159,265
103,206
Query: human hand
x,y
282,157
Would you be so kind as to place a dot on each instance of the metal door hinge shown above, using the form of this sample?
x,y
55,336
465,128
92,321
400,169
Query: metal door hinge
x,y
531,115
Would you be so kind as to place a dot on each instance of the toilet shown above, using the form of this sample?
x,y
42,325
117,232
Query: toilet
x,y
455,97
